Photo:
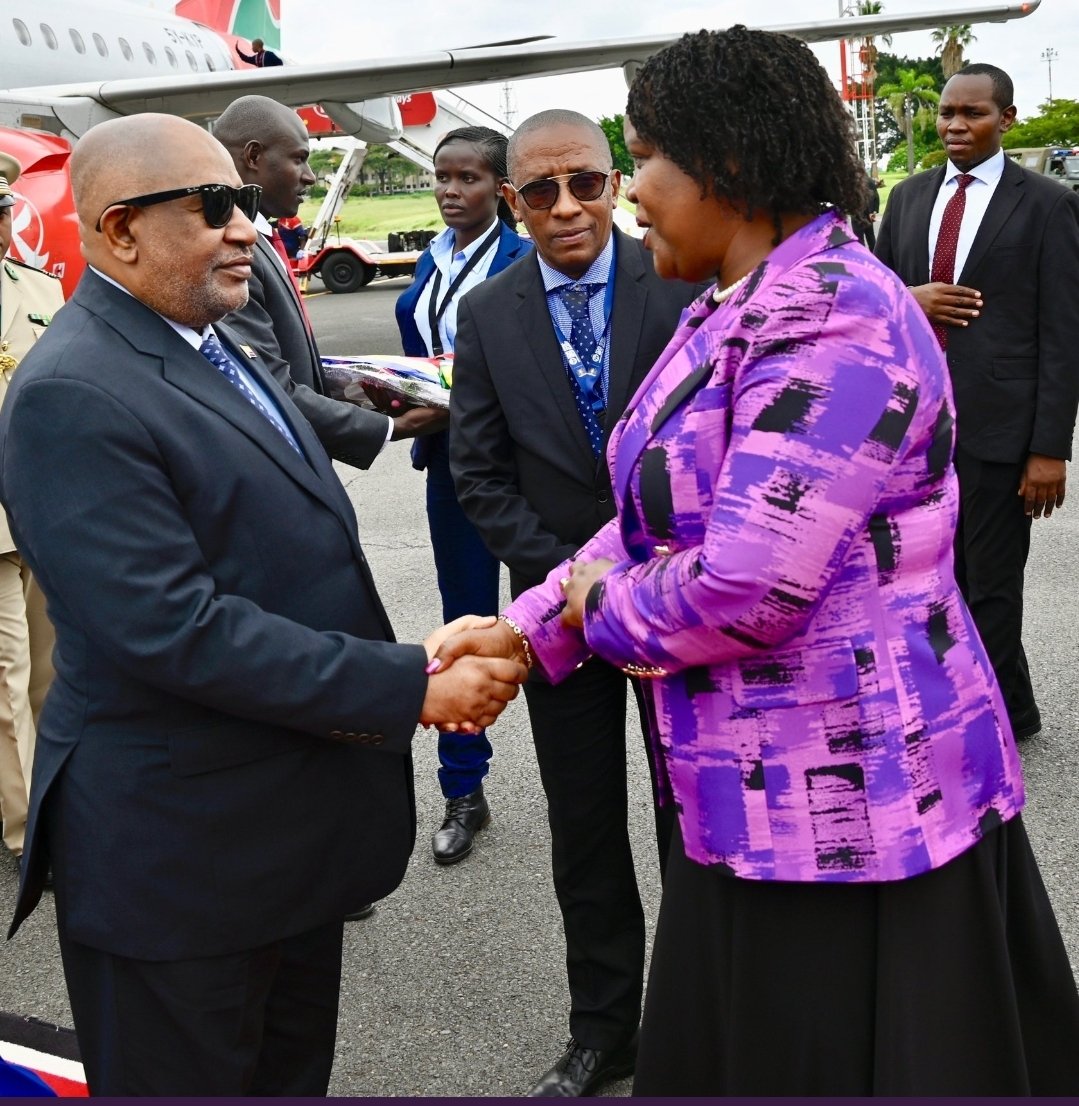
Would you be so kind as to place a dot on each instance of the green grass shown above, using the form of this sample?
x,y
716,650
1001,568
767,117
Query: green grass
x,y
376,216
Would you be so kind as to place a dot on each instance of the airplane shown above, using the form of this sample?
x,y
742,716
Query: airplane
x,y
69,64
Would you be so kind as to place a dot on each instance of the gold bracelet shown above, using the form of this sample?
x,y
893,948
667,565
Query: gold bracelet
x,y
530,660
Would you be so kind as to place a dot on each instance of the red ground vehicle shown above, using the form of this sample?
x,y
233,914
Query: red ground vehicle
x,y
347,264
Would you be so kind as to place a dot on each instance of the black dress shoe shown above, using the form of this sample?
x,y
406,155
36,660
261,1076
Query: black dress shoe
x,y
579,1070
364,912
465,815
1027,724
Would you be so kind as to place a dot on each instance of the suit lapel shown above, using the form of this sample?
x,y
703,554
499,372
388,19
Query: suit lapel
x,y
926,187
1006,196
627,320
327,486
534,321
186,369
510,247
273,266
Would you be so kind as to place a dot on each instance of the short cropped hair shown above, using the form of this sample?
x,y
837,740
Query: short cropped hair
x,y
559,117
1003,89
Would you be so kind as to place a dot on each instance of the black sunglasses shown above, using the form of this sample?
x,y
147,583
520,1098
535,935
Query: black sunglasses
x,y
543,194
218,200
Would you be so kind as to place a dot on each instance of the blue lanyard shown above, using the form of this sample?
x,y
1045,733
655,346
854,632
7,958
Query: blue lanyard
x,y
588,376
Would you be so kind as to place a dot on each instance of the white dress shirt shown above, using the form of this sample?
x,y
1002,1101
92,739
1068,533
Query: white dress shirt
x,y
979,193
449,261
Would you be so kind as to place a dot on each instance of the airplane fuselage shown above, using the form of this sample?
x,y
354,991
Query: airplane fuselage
x,y
45,42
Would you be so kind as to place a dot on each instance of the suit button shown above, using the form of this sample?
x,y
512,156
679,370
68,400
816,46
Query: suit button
x,y
603,497
336,735
377,739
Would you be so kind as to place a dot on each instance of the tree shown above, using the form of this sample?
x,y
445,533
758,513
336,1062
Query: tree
x,y
324,163
1057,124
386,165
952,41
910,98
612,128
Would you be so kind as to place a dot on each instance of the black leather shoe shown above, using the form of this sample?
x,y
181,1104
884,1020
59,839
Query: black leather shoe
x,y
465,815
580,1071
359,915
1027,725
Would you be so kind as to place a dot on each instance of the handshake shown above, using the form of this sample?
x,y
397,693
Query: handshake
x,y
476,666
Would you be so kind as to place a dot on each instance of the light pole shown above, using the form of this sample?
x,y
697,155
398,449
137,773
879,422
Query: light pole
x,y
1048,54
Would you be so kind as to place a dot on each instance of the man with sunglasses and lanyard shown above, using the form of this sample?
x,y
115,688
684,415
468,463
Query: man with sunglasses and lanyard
x,y
147,460
548,355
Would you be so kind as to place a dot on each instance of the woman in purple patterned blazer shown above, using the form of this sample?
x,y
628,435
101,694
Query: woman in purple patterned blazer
x,y
852,907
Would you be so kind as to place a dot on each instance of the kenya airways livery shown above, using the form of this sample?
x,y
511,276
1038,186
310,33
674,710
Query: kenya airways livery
x,y
68,64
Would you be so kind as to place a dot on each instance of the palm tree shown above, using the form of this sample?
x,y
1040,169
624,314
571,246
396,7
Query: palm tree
x,y
953,40
911,98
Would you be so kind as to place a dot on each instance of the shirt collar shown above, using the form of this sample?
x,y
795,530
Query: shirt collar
x,y
262,225
189,335
599,272
442,245
988,172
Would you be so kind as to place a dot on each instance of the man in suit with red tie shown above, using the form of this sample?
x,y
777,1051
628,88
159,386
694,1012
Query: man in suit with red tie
x,y
270,147
991,253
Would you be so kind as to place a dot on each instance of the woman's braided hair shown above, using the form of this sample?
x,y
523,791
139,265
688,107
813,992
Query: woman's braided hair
x,y
492,148
753,118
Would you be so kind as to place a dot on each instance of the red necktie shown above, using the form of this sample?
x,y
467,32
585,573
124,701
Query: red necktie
x,y
947,241
279,246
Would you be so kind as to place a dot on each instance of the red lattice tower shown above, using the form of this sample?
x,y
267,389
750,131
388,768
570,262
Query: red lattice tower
x,y
858,69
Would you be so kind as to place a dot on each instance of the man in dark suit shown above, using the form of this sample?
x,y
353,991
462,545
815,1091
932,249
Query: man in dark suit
x,y
991,253
548,355
147,462
259,56
270,146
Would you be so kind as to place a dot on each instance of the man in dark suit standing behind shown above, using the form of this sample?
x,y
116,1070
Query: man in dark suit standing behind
x,y
548,355
991,253
220,647
270,147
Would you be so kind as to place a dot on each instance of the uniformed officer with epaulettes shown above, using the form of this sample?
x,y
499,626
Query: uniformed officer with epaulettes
x,y
28,300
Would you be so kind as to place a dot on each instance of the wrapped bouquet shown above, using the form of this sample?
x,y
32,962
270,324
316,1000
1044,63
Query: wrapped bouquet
x,y
423,381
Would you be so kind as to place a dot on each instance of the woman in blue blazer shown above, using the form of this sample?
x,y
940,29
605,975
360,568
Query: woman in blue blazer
x,y
479,241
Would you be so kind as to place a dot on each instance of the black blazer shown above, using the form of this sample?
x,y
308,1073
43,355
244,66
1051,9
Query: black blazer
x,y
1013,369
521,460
272,323
222,656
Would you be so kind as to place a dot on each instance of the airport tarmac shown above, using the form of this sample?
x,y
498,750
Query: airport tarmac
x,y
456,985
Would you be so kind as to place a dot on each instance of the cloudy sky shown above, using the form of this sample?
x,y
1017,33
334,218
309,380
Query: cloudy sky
x,y
334,30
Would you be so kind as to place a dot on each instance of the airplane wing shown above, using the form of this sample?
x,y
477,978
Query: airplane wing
x,y
341,87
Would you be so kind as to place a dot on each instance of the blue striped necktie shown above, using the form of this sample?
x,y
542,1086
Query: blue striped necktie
x,y
587,384
218,356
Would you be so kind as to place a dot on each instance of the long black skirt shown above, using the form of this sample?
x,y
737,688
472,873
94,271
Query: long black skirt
x,y
955,982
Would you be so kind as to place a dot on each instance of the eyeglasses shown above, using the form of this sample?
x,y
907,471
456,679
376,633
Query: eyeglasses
x,y
543,194
218,201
